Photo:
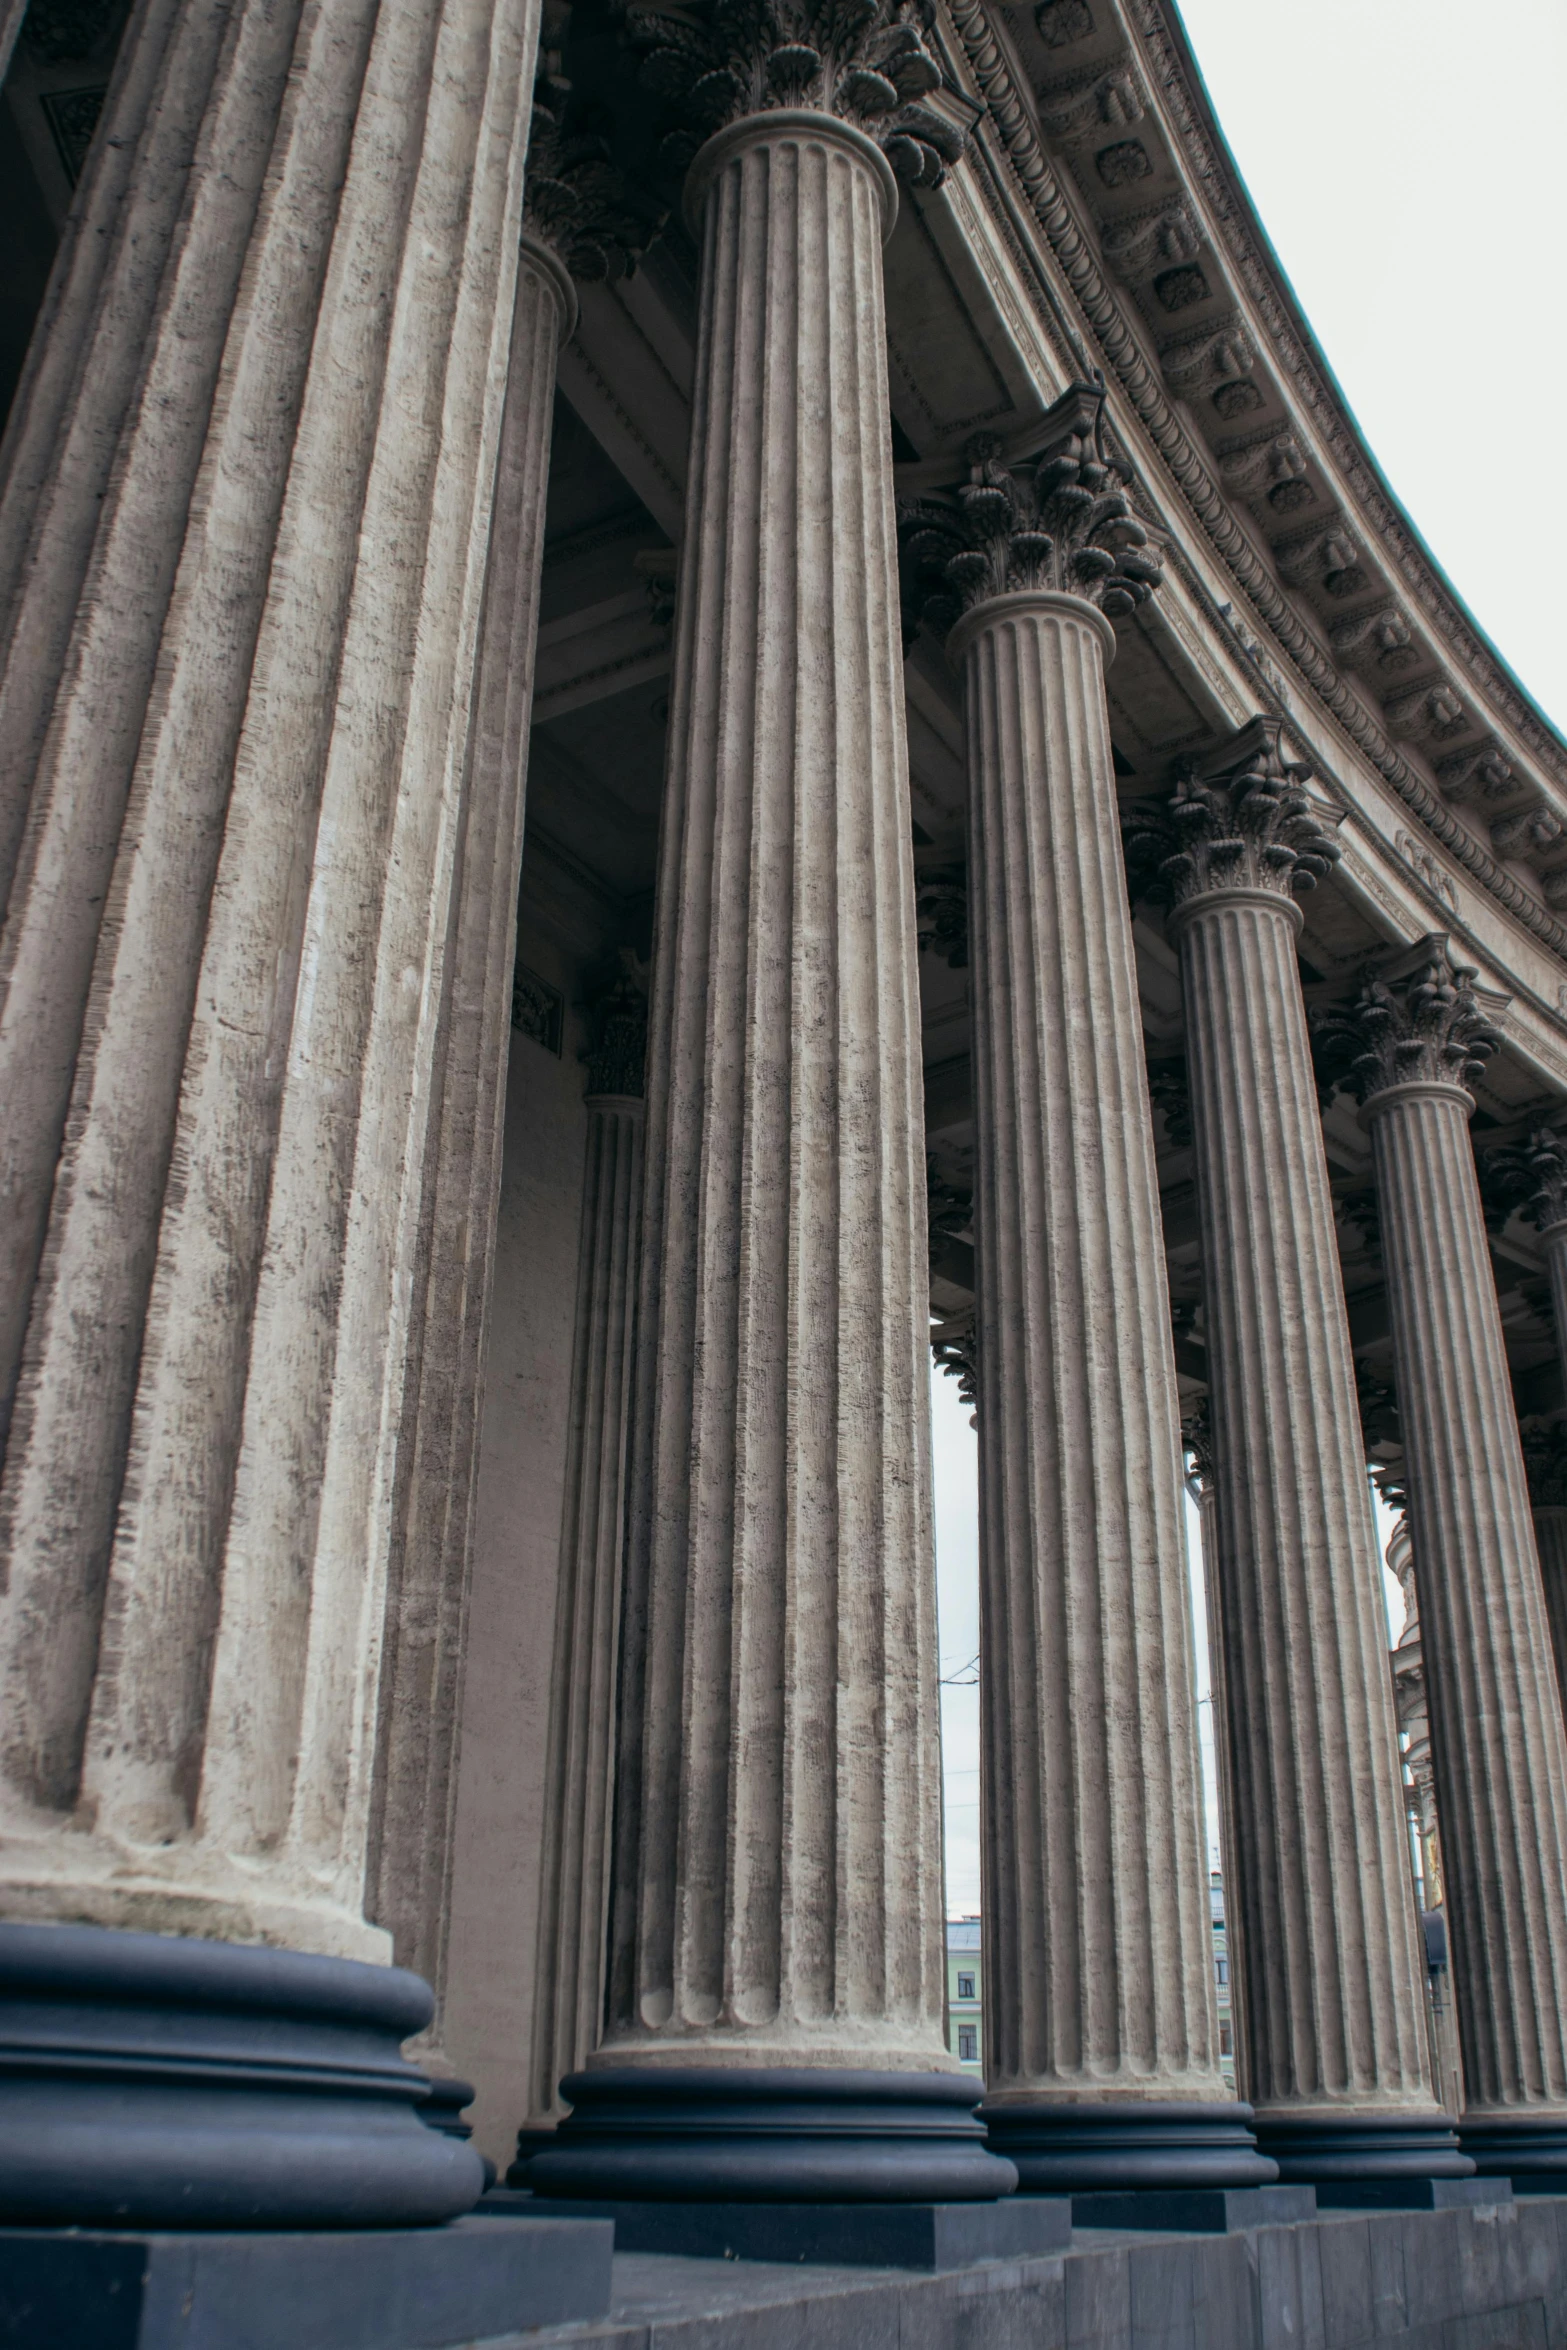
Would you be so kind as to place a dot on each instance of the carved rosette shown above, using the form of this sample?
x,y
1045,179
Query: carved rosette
x,y
1417,1020
1060,520
869,62
1251,826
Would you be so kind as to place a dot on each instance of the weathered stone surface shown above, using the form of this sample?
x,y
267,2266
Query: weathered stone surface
x,y
1098,1970
574,1870
249,497
777,1880
1496,1723
410,1859
1317,1875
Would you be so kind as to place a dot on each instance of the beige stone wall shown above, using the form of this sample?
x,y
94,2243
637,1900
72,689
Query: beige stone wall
x,y
495,1887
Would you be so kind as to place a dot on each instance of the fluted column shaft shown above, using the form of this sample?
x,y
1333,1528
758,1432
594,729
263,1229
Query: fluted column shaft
x,y
777,1876
247,514
432,1536
1318,1874
574,1873
1550,1518
1098,1957
1498,1748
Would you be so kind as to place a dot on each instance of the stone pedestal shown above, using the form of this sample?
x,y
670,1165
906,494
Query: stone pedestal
x,y
1318,1869
1497,1740
776,1906
1102,2056
244,550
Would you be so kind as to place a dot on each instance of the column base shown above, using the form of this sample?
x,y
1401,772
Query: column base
x,y
927,2236
1532,2153
773,2135
1363,2146
148,2082
1063,2149
1196,2211
316,2291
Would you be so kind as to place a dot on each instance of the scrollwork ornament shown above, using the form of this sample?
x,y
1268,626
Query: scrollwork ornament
x,y
1416,1020
1059,520
869,62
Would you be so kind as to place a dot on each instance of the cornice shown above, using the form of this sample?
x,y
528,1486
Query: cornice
x,y
1220,347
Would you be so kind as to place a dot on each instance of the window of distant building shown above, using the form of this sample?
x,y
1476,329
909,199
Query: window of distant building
x,y
965,1986
1226,2041
968,2044
1222,1967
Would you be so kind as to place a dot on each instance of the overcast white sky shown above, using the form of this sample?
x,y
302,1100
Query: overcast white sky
x,y
1408,159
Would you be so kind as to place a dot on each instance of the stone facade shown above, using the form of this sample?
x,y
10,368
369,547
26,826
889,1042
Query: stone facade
x,y
693,699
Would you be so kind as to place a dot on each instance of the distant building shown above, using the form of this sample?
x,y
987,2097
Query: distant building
x,y
965,1995
1221,1976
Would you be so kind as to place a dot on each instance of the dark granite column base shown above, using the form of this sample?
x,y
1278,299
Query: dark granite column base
x,y
1531,2152
1066,2149
717,2134
153,2082
1361,2147
1196,2210
371,2290
926,2236
1410,2194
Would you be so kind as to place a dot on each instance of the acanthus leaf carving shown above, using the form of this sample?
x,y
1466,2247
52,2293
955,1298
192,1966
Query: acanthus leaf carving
x,y
1524,831
1528,1177
869,62
1414,1018
1145,241
1326,555
1089,99
1428,712
1378,639
1060,520
576,198
941,914
1241,820
1482,771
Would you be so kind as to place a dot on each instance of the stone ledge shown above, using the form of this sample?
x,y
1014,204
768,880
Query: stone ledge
x,y
1491,2278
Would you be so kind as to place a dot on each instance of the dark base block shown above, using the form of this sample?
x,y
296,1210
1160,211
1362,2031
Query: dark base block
x,y
712,2134
1196,2210
1525,2151
408,2289
150,2082
1357,2148
838,2235
1083,2149
1410,2194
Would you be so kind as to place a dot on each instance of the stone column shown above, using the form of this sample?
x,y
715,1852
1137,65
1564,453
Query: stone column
x,y
1545,1465
773,2013
574,1871
430,1554
1533,1178
1100,2019
1197,1440
244,545
1338,2063
1497,1739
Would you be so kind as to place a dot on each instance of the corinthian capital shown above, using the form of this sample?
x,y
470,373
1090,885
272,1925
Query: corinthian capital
x,y
1531,1177
599,218
1241,820
1416,1019
1058,519
870,62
